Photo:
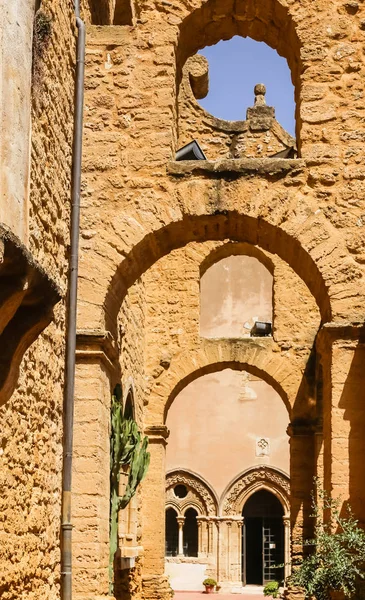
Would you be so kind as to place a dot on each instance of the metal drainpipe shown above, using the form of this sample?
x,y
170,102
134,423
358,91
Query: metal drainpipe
x,y
71,313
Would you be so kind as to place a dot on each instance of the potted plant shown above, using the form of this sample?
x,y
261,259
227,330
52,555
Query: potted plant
x,y
272,589
336,565
209,585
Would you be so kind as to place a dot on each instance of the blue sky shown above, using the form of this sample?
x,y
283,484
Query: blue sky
x,y
235,66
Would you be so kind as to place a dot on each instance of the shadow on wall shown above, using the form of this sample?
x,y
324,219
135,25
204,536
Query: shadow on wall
x,y
350,463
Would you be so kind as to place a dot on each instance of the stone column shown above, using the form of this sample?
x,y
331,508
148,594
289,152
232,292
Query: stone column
x,y
180,522
228,567
342,352
155,583
302,472
95,376
286,522
240,524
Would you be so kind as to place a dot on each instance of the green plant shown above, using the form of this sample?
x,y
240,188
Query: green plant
x,y
42,31
338,552
271,589
126,448
209,581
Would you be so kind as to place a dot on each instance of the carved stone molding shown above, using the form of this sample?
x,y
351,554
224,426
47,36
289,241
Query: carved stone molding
x,y
234,496
199,495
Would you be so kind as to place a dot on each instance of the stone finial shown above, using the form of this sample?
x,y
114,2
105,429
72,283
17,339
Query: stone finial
x,y
260,116
260,91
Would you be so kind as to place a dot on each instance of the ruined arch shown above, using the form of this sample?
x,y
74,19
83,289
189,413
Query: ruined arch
x,y
222,225
212,21
270,22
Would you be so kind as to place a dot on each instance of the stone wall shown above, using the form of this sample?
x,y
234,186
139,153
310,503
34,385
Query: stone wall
x,y
31,421
148,222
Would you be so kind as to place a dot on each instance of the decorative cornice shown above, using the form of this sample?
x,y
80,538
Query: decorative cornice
x,y
94,344
157,434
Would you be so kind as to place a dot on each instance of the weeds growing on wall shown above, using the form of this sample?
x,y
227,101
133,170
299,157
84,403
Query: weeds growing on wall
x,y
42,32
127,447
337,562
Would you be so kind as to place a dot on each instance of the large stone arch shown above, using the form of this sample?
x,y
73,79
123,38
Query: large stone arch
x,y
252,355
295,248
209,22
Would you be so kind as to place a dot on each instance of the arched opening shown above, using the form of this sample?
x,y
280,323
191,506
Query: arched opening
x,y
190,533
129,406
262,539
235,67
171,533
270,23
236,293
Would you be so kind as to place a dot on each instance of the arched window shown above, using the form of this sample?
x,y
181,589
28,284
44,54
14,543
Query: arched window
x,y
235,293
190,533
129,406
171,533
229,96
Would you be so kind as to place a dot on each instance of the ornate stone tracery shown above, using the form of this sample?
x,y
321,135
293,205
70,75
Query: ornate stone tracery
x,y
199,495
238,491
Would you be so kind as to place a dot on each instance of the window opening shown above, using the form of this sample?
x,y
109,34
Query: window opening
x,y
180,491
171,533
190,533
235,67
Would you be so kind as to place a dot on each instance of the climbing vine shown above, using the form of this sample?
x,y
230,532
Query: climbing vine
x,y
126,448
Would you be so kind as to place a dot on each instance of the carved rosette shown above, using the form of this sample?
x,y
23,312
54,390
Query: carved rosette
x,y
199,495
273,480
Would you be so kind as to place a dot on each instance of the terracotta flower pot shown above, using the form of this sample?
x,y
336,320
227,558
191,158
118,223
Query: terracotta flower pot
x,y
209,589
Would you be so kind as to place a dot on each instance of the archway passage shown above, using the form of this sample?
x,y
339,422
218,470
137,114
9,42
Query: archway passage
x,y
263,539
171,533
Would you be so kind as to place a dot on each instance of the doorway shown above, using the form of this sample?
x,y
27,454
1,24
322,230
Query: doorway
x,y
262,539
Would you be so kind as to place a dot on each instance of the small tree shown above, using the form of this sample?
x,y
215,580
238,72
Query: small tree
x,y
338,558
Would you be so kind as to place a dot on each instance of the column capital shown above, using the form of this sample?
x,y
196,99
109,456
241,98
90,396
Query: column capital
x,y
180,520
157,434
302,428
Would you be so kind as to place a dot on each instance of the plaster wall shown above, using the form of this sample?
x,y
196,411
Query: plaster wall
x,y
215,422
234,293
15,106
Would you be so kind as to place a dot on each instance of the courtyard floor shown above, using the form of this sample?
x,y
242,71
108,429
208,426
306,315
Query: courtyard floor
x,y
251,593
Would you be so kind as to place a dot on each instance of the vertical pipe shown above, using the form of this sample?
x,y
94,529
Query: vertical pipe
x,y
71,312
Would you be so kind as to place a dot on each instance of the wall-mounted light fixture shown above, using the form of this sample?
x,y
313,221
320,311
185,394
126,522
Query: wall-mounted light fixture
x,y
261,329
191,151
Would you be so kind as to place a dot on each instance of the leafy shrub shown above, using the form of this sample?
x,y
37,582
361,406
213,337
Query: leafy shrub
x,y
209,581
271,589
338,553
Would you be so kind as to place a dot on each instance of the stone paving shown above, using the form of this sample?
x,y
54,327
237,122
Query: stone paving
x,y
251,594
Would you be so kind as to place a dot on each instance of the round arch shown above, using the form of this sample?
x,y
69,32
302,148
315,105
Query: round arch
x,y
223,225
220,366
235,249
